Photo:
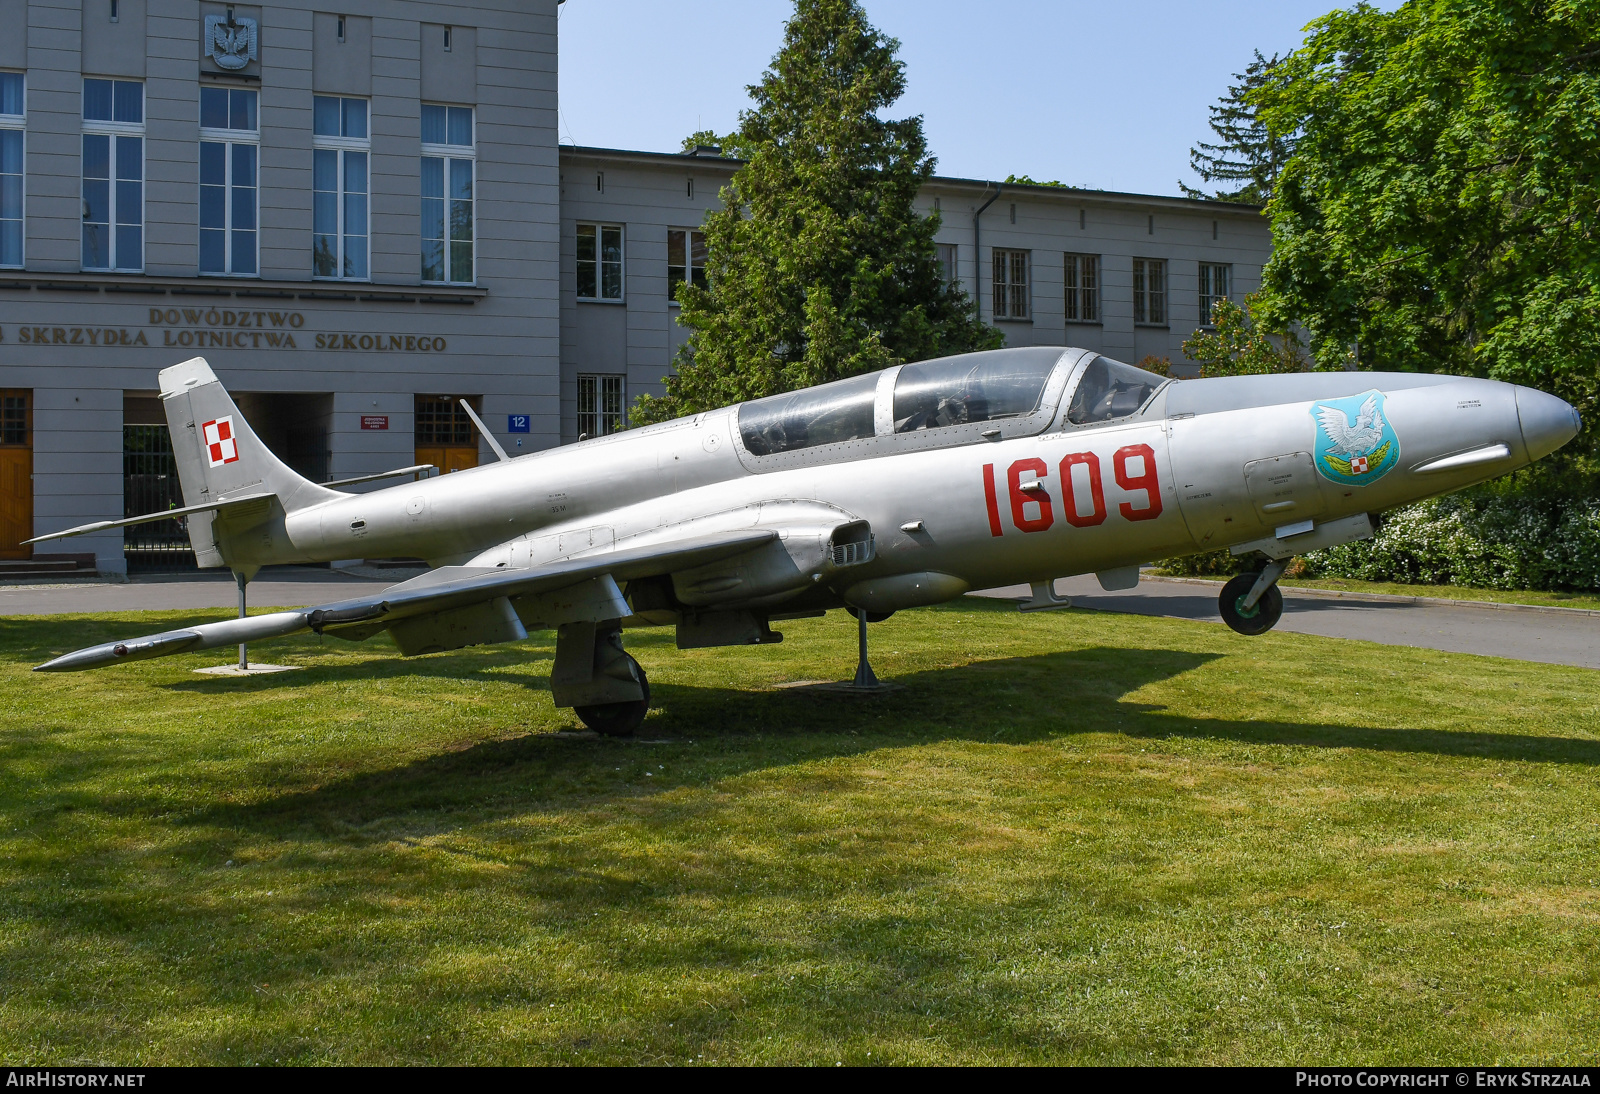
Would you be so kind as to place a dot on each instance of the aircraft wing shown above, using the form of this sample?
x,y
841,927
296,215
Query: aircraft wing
x,y
441,590
458,586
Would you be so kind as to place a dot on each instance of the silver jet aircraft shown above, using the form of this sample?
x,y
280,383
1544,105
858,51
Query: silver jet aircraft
x,y
902,488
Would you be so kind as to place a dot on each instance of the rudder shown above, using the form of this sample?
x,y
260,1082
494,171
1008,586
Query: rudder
x,y
220,457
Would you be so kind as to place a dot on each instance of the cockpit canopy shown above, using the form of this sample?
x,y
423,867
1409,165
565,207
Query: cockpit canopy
x,y
1109,390
933,395
827,414
974,387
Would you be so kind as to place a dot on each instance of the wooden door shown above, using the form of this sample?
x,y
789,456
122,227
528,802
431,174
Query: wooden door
x,y
449,458
445,436
16,473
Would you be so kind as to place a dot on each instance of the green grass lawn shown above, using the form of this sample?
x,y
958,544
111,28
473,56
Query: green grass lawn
x,y
1073,837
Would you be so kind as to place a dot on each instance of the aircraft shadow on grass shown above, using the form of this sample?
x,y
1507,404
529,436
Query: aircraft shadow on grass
x,y
1008,701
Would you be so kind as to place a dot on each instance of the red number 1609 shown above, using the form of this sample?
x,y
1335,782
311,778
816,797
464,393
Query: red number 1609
x,y
1039,500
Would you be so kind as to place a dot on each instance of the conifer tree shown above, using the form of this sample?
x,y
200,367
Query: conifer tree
x,y
1245,151
819,265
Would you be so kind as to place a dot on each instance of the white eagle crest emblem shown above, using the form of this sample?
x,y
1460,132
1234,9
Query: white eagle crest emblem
x,y
231,42
1355,443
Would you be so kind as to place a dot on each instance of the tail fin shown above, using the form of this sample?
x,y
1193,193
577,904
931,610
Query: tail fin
x,y
219,456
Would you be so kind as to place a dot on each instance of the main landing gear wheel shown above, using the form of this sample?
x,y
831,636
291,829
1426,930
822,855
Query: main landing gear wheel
x,y
1257,620
618,719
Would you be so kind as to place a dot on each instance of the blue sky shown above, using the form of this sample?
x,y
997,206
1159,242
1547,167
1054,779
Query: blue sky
x,y
1109,95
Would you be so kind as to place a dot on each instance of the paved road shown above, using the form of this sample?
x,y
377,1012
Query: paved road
x,y
1556,638
280,587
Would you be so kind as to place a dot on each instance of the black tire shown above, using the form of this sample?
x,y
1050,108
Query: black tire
x,y
1262,618
618,719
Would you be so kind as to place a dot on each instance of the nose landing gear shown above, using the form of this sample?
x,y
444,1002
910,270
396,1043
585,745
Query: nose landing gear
x,y
1252,603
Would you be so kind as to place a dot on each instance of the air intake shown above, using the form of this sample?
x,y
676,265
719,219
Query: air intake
x,y
852,554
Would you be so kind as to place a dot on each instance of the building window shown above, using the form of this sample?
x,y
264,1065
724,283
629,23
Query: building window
x,y
599,405
1216,280
12,120
230,151
15,428
113,175
599,262
686,259
341,144
1150,291
448,168
1010,284
441,421
947,263
1082,278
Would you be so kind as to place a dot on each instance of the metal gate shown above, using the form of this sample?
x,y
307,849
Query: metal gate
x,y
150,484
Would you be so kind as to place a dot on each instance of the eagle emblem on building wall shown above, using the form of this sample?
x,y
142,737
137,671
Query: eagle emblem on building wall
x,y
231,41
1355,443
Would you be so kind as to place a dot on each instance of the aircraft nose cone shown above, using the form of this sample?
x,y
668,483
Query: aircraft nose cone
x,y
1547,422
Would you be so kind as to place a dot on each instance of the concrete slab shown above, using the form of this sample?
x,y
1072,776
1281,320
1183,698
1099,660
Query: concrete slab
x,y
249,670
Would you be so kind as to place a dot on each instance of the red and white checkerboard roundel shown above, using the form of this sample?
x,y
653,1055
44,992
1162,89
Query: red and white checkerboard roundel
x,y
220,443
1358,465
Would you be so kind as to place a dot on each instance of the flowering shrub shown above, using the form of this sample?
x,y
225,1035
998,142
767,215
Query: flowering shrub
x,y
1479,541
1487,542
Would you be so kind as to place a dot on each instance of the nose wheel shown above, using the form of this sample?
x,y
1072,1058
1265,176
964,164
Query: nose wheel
x,y
1252,603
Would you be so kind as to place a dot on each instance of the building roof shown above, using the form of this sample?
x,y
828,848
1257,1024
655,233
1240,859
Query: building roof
x,y
1065,193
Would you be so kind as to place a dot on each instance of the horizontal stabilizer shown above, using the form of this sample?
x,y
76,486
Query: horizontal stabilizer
x,y
396,473
441,590
148,518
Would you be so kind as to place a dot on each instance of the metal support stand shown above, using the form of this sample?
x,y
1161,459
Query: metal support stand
x,y
244,667
864,675
866,681
244,659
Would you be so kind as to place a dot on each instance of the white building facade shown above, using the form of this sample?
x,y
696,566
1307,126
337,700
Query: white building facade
x,y
361,217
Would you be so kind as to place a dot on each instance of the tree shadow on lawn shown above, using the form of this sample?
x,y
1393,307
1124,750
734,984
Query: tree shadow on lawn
x,y
1017,700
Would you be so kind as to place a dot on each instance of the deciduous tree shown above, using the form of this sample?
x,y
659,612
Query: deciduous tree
x,y
819,265
1442,207
1236,346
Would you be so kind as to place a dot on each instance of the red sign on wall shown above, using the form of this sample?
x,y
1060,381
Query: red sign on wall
x,y
374,421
